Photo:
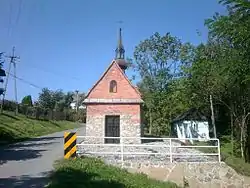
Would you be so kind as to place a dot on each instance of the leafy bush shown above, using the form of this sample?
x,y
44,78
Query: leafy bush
x,y
9,105
238,164
231,159
89,172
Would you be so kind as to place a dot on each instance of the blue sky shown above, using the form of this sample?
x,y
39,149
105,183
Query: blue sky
x,y
67,46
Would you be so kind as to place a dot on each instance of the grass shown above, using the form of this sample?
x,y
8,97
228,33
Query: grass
x,y
19,128
93,173
237,163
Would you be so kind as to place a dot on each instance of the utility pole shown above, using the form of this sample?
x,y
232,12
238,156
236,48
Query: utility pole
x,y
77,98
12,61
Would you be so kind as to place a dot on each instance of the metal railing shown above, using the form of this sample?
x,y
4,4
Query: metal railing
x,y
172,143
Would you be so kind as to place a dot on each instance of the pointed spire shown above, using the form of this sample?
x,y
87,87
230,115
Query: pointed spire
x,y
120,51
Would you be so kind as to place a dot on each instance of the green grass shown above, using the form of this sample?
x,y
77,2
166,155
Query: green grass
x,y
19,128
237,163
93,173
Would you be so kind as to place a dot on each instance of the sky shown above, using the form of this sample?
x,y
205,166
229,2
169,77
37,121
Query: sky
x,y
69,44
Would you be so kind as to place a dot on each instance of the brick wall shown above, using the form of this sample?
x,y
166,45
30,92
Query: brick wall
x,y
124,89
130,114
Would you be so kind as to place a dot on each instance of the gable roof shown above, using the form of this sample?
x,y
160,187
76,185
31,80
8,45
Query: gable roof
x,y
115,63
192,114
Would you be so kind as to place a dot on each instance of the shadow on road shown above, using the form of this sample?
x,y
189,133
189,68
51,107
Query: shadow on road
x,y
26,150
32,144
25,181
70,177
19,154
45,138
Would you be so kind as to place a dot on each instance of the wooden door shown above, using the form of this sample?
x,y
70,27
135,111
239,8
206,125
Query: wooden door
x,y
112,129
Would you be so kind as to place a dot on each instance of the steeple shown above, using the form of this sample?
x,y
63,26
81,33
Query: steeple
x,y
120,52
120,49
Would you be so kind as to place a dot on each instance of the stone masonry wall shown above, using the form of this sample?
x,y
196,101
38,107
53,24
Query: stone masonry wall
x,y
130,121
196,175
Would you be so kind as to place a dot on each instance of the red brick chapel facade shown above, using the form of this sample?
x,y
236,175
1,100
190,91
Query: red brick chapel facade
x,y
114,104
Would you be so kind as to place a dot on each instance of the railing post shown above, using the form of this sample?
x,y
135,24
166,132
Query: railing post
x,y
219,157
121,143
170,150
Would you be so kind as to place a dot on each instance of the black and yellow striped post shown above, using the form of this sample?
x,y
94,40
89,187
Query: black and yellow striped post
x,y
69,145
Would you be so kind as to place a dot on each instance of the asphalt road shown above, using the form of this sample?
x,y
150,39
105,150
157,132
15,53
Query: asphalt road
x,y
27,164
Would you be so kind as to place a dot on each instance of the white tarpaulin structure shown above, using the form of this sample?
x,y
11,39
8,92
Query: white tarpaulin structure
x,y
191,124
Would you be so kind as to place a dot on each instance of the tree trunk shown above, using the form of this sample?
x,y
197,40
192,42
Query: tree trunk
x,y
247,146
150,121
242,141
212,116
243,136
232,132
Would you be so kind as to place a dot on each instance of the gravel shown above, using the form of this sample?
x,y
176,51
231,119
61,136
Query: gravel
x,y
157,154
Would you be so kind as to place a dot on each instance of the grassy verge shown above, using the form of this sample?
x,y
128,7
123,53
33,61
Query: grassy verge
x,y
19,128
237,163
93,173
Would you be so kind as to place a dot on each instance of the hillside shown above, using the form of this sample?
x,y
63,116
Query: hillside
x,y
19,128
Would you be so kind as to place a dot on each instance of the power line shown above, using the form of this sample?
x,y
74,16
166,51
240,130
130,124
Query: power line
x,y
10,16
53,72
19,11
10,26
27,82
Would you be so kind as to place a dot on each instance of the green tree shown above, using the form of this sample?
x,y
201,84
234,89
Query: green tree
x,y
234,29
158,60
55,100
68,99
2,74
27,101
46,99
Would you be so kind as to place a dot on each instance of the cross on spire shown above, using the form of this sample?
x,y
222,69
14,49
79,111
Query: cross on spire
x,y
120,51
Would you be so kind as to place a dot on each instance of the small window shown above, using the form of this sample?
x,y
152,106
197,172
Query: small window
x,y
113,86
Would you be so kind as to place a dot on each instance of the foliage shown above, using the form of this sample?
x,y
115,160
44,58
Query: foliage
x,y
237,163
234,30
154,58
18,128
68,99
90,172
158,60
2,74
57,100
218,68
9,105
51,105
27,101
46,99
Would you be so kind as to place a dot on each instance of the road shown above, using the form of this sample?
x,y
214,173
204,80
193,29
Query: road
x,y
27,164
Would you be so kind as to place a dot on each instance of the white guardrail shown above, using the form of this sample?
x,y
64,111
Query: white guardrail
x,y
170,143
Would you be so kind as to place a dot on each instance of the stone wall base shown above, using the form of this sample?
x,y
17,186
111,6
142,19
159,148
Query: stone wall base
x,y
95,127
198,175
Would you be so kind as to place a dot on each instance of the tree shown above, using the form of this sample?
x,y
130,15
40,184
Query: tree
x,y
58,100
220,68
157,60
55,100
46,99
68,99
2,74
234,29
27,101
